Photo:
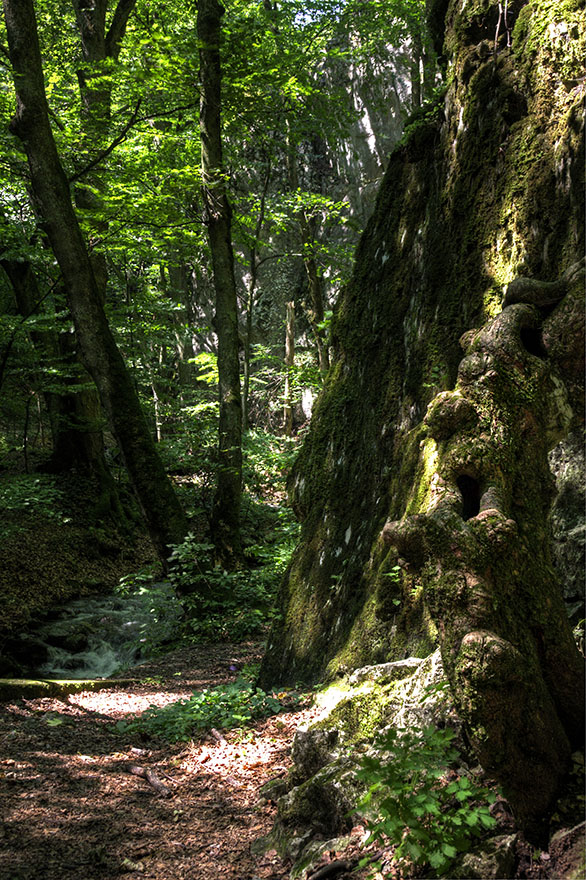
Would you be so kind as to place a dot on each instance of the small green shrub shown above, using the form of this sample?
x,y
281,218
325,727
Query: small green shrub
x,y
232,605
35,493
231,705
428,818
31,491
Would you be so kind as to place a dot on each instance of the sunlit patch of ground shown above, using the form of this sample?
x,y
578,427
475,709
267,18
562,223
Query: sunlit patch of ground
x,y
73,809
117,704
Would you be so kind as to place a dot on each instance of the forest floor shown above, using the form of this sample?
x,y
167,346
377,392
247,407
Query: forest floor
x,y
72,808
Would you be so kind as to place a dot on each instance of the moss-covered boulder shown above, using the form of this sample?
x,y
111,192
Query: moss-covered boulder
x,y
323,788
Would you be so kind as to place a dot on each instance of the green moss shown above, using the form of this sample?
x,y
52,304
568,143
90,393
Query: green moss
x,y
361,715
422,485
364,644
555,30
29,689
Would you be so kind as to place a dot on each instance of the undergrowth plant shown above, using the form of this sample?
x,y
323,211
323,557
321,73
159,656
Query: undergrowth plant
x,y
233,605
429,815
230,705
30,492
163,621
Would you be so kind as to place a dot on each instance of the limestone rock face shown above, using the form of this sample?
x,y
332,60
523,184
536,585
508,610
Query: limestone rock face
x,y
484,189
323,788
568,523
493,860
424,485
568,850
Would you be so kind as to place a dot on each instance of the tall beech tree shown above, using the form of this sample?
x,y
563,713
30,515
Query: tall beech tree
x,y
218,218
53,203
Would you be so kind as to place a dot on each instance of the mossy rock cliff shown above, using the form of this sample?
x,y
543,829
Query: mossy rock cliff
x,y
486,187
424,485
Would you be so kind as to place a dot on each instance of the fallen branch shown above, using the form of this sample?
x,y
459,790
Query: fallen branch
x,y
30,689
151,778
332,868
217,735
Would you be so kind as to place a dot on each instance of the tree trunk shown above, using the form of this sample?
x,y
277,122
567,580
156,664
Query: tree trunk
x,y
289,364
315,306
226,513
415,64
248,340
164,516
179,290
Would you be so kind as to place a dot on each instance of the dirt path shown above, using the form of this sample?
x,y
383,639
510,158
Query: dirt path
x,y
71,810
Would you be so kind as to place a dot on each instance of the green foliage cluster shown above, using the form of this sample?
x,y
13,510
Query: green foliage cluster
x,y
230,605
165,612
267,382
424,118
267,459
231,705
28,492
429,816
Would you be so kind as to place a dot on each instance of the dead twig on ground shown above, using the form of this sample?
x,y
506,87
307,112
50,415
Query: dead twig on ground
x,y
151,778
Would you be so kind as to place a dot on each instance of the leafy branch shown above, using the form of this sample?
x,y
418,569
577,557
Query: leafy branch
x,y
109,149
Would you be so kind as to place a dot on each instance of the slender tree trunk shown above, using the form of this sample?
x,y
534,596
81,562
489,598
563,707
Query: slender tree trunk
x,y
178,288
74,417
289,364
166,520
315,307
416,56
226,513
254,264
248,338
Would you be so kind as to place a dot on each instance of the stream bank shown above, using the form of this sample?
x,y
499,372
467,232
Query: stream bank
x,y
53,550
97,636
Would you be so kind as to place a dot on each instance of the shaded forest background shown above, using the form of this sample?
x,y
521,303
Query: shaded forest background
x,y
182,194
312,103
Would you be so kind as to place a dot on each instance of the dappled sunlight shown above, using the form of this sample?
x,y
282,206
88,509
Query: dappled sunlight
x,y
80,799
119,704
238,756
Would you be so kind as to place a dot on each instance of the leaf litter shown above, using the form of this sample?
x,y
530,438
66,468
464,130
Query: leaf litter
x,y
73,807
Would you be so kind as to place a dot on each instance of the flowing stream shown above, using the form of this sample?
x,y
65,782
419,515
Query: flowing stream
x,y
98,636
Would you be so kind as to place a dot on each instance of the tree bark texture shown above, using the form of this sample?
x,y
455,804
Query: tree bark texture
x,y
226,513
314,306
475,237
289,364
163,514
